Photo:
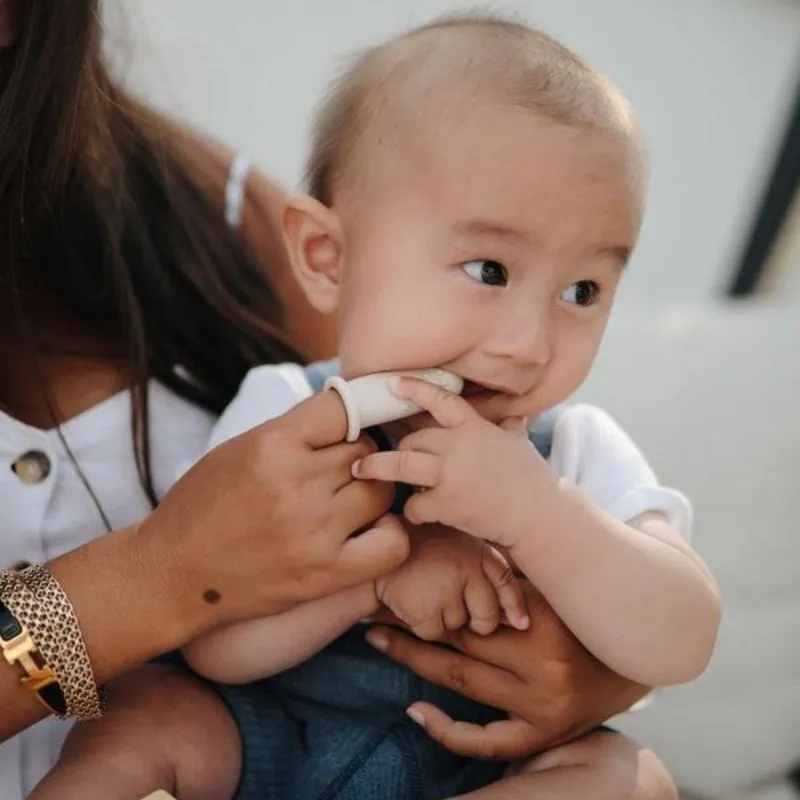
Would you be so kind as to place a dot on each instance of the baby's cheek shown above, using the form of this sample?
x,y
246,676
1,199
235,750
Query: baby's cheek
x,y
374,343
566,373
360,345
569,377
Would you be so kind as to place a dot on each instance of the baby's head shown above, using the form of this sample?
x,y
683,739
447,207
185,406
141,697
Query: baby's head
x,y
475,192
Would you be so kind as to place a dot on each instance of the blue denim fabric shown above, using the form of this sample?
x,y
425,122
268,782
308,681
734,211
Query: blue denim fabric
x,y
335,727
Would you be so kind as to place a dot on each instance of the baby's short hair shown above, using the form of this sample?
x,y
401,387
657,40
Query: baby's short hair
x,y
479,51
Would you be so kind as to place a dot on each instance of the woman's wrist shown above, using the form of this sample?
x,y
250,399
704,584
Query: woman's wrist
x,y
126,605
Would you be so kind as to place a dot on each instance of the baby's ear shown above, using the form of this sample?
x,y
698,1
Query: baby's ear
x,y
315,242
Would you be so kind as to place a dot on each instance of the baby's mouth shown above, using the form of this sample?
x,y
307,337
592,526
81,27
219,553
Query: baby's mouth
x,y
472,389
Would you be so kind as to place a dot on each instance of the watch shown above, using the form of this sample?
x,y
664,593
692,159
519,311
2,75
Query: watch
x,y
18,648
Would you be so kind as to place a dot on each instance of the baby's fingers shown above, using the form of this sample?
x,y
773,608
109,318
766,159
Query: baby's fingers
x,y
400,466
425,620
441,618
509,592
483,605
455,615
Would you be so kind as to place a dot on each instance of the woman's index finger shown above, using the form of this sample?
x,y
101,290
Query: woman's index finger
x,y
481,681
320,421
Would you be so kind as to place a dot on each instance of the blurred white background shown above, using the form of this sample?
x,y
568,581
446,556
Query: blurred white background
x,y
709,390
709,79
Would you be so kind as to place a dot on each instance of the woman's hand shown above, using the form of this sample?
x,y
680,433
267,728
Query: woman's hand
x,y
264,521
551,686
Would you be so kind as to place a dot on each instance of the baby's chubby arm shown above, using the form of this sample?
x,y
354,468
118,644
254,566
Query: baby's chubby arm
x,y
249,651
635,594
450,580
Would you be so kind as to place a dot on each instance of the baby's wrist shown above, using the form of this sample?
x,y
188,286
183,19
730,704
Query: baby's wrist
x,y
543,547
534,520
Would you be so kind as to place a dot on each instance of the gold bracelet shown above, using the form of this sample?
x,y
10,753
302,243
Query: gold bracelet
x,y
38,600
20,650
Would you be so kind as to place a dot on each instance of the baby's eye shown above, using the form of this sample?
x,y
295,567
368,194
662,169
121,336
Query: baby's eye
x,y
581,293
492,273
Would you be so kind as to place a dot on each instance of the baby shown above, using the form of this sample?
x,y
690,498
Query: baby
x,y
475,193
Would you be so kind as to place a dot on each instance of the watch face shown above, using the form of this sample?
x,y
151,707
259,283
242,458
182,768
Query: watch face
x,y
9,626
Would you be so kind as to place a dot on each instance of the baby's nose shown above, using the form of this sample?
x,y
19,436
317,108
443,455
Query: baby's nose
x,y
527,341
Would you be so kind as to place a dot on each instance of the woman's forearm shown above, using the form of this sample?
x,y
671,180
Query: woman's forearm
x,y
238,537
126,600
126,613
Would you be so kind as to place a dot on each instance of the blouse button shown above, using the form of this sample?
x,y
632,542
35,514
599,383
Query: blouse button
x,y
32,467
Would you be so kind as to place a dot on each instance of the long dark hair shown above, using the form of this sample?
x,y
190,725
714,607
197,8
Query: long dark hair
x,y
98,209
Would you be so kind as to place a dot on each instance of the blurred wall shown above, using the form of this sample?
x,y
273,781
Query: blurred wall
x,y
709,79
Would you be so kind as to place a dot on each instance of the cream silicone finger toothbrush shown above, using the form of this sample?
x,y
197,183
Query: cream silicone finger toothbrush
x,y
368,401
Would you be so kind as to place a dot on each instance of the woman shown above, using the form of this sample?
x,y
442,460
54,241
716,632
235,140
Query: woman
x,y
141,275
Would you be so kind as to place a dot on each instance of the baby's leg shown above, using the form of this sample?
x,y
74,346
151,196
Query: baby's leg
x,y
163,730
600,766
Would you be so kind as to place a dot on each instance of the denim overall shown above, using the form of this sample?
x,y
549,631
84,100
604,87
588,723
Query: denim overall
x,y
335,726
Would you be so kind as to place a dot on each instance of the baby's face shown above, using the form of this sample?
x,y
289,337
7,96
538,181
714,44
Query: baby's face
x,y
495,252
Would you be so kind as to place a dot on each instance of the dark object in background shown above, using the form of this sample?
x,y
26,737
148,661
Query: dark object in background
x,y
783,186
794,778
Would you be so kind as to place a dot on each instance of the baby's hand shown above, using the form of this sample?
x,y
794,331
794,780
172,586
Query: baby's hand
x,y
484,479
451,580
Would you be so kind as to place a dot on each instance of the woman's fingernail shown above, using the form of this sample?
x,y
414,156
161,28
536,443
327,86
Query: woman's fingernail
x,y
356,468
523,623
416,716
378,640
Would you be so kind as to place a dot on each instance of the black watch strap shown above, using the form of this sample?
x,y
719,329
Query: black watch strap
x,y
10,626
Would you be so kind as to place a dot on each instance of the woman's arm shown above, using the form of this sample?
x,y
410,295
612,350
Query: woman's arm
x,y
124,621
249,651
280,493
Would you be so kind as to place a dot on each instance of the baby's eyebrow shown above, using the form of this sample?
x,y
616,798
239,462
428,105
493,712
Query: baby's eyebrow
x,y
482,227
620,253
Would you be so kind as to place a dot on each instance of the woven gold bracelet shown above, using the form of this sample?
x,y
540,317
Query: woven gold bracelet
x,y
37,599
